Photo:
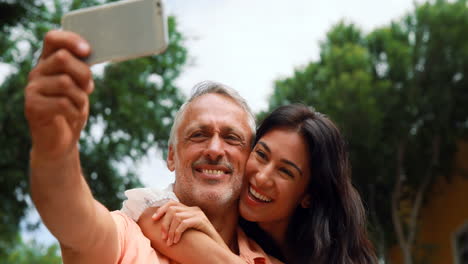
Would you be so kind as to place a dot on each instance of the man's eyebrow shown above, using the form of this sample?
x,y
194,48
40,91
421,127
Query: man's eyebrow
x,y
293,165
265,146
191,128
233,130
228,129
204,127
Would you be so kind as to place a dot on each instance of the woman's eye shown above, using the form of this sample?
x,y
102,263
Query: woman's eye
x,y
287,172
261,154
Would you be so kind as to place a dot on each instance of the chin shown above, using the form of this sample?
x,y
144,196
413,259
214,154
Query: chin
x,y
216,197
247,214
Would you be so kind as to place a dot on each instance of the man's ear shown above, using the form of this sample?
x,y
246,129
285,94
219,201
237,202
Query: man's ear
x,y
306,201
170,159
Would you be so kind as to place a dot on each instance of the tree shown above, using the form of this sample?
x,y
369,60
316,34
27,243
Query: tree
x,y
130,111
13,14
399,94
425,58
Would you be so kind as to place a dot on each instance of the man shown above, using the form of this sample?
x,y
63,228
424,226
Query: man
x,y
209,145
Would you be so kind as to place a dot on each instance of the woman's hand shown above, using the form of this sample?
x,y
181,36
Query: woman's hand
x,y
176,218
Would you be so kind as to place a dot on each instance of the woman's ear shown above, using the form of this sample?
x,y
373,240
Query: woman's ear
x,y
305,203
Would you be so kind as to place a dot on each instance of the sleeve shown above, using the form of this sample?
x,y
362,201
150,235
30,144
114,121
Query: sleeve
x,y
121,226
134,247
139,199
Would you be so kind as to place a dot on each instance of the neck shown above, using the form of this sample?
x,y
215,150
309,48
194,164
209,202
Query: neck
x,y
225,221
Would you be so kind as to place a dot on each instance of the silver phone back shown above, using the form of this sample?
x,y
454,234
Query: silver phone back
x,y
121,30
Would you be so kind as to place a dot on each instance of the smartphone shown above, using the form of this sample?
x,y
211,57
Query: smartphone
x,y
120,30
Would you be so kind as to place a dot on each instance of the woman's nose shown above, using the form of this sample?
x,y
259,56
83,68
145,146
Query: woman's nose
x,y
264,177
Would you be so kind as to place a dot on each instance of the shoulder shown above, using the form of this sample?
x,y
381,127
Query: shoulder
x,y
127,229
134,246
122,221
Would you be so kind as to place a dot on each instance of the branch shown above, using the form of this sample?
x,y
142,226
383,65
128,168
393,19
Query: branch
x,y
396,195
422,189
379,234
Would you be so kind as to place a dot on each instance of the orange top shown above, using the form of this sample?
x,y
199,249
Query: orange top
x,y
134,247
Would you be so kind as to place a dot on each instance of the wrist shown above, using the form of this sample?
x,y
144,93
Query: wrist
x,y
42,159
54,163
51,177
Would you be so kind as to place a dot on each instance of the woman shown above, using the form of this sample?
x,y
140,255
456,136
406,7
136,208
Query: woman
x,y
298,202
327,223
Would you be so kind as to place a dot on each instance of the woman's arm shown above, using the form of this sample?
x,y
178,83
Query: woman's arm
x,y
194,246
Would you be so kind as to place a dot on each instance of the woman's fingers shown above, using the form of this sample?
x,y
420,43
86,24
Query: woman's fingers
x,y
167,210
181,221
163,209
189,221
174,220
160,212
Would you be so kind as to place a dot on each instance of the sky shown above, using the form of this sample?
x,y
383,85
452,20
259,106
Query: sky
x,y
247,44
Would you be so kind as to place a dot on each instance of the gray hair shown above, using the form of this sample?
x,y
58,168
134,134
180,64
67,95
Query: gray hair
x,y
207,87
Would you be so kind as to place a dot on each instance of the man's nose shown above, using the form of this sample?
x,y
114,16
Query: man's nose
x,y
215,148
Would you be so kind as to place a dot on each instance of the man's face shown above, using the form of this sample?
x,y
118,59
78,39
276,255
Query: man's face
x,y
212,147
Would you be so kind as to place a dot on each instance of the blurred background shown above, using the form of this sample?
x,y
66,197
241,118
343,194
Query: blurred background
x,y
392,74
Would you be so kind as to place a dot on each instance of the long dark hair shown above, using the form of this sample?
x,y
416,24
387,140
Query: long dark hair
x,y
333,228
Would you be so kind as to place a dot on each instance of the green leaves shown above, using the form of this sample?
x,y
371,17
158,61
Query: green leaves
x,y
31,252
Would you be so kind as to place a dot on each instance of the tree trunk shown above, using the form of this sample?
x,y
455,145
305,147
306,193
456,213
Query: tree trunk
x,y
397,190
406,241
380,240
422,191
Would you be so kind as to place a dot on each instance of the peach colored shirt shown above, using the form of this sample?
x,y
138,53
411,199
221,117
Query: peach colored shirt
x,y
136,248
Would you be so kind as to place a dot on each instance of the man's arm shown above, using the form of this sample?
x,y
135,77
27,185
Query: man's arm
x,y
84,227
194,246
57,106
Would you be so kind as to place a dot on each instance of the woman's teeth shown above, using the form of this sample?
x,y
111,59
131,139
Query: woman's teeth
x,y
213,172
260,197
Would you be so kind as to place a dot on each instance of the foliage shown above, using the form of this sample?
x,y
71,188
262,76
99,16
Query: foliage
x,y
31,252
130,111
399,95
13,14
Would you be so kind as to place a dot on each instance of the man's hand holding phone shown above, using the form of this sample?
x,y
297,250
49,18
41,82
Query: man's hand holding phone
x,y
56,97
57,107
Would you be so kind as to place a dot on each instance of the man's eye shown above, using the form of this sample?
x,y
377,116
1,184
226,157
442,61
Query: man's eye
x,y
197,136
233,139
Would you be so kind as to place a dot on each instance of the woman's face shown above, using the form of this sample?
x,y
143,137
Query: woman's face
x,y
277,174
